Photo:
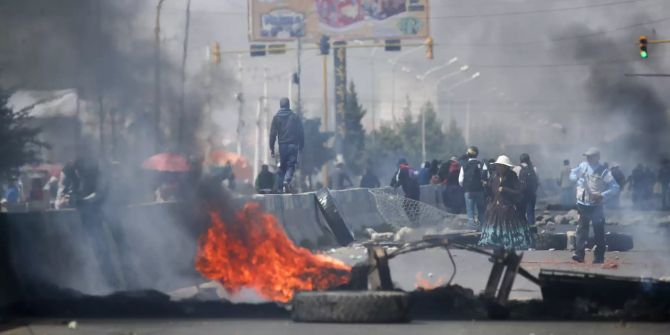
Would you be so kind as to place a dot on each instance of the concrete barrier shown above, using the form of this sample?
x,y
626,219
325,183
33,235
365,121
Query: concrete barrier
x,y
358,208
156,245
51,247
151,246
146,247
297,214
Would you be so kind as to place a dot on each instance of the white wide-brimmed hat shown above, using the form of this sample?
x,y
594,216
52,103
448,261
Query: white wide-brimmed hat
x,y
504,160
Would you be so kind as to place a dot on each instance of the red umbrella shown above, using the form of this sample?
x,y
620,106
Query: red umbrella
x,y
167,162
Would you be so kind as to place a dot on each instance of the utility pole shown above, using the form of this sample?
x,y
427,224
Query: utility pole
x,y
240,122
299,83
373,102
257,143
324,170
182,103
101,109
393,96
467,123
157,76
240,101
290,89
266,117
423,134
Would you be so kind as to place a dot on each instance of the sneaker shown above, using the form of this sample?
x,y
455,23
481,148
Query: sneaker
x,y
577,258
287,188
598,260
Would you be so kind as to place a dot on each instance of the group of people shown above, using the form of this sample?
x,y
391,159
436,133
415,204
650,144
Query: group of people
x,y
640,183
500,197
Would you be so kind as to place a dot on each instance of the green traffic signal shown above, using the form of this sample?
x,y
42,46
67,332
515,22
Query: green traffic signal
x,y
643,47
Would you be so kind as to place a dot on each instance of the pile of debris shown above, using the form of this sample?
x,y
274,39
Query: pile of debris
x,y
569,218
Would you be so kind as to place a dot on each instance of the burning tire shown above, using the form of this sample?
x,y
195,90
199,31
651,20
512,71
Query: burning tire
x,y
351,307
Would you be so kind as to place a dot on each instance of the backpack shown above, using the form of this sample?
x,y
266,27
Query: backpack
x,y
473,176
528,179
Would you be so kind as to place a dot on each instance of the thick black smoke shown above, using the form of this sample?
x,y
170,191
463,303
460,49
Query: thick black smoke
x,y
631,107
105,50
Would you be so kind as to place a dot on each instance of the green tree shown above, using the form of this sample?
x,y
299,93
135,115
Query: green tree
x,y
354,133
454,140
404,140
18,141
316,153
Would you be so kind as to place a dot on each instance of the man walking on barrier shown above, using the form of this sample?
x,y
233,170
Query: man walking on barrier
x,y
287,130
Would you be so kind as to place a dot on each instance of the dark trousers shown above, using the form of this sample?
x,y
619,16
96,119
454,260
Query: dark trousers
x,y
596,216
288,159
530,200
665,191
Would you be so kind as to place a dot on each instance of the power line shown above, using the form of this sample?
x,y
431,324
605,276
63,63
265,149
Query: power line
x,y
554,40
537,11
594,63
520,66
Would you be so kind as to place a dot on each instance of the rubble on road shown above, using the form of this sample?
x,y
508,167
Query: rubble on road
x,y
379,237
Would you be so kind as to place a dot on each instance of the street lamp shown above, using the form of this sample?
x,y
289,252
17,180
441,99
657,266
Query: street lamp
x,y
467,111
437,68
394,62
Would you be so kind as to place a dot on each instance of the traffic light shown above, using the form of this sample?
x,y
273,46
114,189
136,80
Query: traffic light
x,y
216,53
277,49
392,45
429,48
324,45
257,50
643,47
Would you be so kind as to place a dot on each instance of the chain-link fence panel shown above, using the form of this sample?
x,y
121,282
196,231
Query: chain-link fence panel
x,y
399,211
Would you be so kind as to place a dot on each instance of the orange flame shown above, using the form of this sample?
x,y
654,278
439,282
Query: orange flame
x,y
255,252
426,284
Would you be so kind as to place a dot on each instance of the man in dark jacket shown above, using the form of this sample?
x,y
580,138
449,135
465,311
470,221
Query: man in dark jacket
x,y
472,178
287,130
369,179
265,180
406,178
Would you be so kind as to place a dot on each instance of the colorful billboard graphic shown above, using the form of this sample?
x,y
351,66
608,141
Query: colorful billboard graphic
x,y
281,20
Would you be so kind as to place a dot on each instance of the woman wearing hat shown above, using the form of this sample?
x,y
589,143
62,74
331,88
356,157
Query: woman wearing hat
x,y
505,224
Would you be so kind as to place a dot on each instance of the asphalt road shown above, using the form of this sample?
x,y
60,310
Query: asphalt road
x,y
285,327
472,270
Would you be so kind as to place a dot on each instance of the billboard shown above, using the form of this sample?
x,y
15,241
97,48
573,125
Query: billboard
x,y
282,20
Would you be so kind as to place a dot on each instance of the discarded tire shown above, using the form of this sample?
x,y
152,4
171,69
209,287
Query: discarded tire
x,y
556,241
351,307
614,242
335,222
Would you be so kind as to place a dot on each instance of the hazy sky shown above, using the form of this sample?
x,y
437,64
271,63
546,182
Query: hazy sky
x,y
540,63
517,53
